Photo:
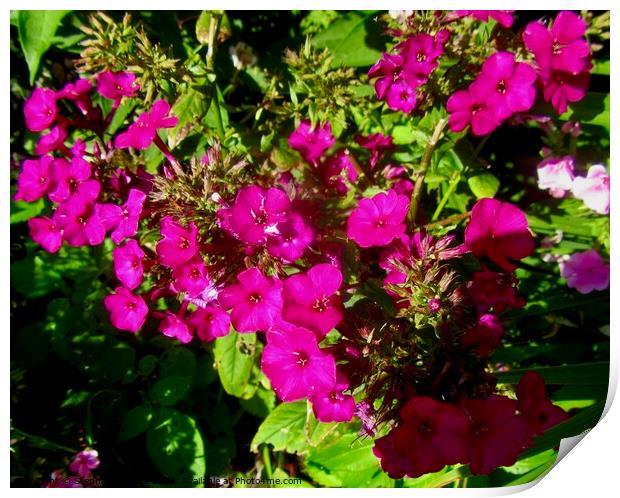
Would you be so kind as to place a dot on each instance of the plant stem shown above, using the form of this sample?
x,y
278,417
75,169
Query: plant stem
x,y
42,442
451,188
166,151
448,220
424,164
218,112
267,462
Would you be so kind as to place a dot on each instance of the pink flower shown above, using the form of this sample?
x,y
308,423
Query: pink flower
x,y
178,245
556,174
378,220
469,107
123,220
128,264
431,435
310,142
310,299
173,326
127,311
593,190
40,109
503,17
51,141
585,271
46,233
141,133
333,405
78,92
509,85
377,144
80,224
34,179
390,71
484,337
293,237
533,403
294,363
560,88
116,85
420,53
72,181
563,48
338,172
256,301
191,277
492,291
209,322
498,434
500,231
256,213
401,97
84,462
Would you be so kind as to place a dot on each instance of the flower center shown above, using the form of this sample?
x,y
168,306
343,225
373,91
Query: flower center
x,y
396,75
255,297
476,108
380,223
557,48
184,244
404,96
260,218
321,304
302,358
131,306
421,57
480,430
502,87
42,180
425,427
135,265
333,396
194,273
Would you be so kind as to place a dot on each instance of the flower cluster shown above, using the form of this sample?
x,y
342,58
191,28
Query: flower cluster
x,y
80,468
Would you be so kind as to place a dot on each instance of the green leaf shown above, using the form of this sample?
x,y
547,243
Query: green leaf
x,y
202,27
234,357
483,185
168,391
601,67
348,461
283,428
135,422
593,109
32,277
191,107
438,479
23,211
580,374
176,446
178,361
354,39
282,480
36,30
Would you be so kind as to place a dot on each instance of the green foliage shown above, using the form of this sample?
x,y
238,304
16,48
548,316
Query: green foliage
x,y
234,357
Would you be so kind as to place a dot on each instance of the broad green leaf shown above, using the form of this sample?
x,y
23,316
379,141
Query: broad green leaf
x,y
33,277
168,391
439,479
261,404
176,446
36,30
483,185
135,422
191,107
178,361
147,365
354,39
404,135
281,479
349,461
23,211
581,374
601,67
234,357
283,428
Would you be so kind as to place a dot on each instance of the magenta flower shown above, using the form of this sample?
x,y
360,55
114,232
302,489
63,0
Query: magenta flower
x,y
500,231
593,190
116,85
391,72
561,88
556,174
256,213
34,179
585,271
431,435
333,405
46,233
338,171
503,17
84,462
311,301
377,144
401,97
127,311
493,291
72,181
420,53
51,141
178,245
209,322
563,48
128,264
256,301
469,107
485,336
123,220
498,434
40,109
142,132
294,363
377,221
191,277
78,92
509,85
534,405
80,224
174,326
310,142
293,238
